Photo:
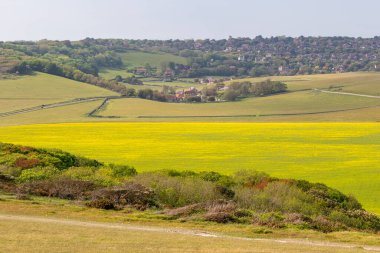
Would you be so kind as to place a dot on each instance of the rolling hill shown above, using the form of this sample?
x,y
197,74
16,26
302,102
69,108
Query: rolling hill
x,y
135,59
314,98
39,89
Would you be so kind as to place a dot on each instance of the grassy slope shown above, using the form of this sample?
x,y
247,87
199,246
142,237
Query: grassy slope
x,y
138,59
176,84
41,89
110,74
358,82
21,236
297,102
44,89
70,113
342,155
90,239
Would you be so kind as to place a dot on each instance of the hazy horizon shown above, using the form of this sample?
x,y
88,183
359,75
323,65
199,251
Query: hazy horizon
x,y
171,19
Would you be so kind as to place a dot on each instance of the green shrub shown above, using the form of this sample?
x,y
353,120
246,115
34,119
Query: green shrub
x,y
37,174
276,197
122,171
271,219
11,171
80,173
364,220
28,157
103,176
249,178
325,225
178,191
327,197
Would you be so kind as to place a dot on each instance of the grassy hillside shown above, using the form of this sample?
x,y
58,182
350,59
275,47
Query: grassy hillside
x,y
343,156
69,238
358,82
302,100
135,59
29,91
291,103
140,59
299,105
110,74
70,113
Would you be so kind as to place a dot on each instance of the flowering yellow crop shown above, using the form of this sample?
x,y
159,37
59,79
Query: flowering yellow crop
x,y
342,155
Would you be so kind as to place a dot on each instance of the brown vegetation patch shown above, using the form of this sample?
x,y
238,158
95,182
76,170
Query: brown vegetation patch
x,y
61,188
27,163
131,194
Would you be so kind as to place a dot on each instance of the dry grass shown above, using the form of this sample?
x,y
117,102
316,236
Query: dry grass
x,y
21,236
36,237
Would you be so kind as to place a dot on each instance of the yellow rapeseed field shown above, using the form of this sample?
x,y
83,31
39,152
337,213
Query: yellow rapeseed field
x,y
342,155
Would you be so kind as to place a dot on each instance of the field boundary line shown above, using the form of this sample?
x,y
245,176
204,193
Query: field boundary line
x,y
101,107
52,105
180,231
347,93
257,115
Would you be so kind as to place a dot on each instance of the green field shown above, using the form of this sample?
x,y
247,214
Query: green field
x,y
135,59
301,104
140,59
285,104
342,155
110,74
69,113
176,84
356,82
41,89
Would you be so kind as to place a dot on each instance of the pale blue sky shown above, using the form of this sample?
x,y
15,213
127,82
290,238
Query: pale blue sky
x,y
186,19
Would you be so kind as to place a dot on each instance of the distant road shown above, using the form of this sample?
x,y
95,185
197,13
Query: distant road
x,y
347,93
42,220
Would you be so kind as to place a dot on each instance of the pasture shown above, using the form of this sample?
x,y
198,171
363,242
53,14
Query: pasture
x,y
140,59
342,155
354,82
296,103
110,74
301,104
29,91
135,59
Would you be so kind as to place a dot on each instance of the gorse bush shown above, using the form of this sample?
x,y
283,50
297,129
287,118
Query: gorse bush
x,y
28,157
105,176
36,174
